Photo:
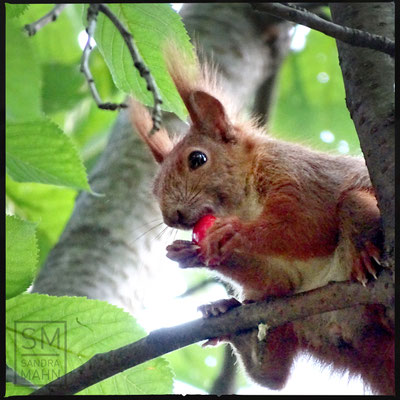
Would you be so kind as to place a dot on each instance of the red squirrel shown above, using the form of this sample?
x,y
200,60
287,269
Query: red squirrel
x,y
289,219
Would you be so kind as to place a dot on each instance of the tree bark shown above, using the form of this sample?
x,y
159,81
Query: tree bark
x,y
97,255
369,82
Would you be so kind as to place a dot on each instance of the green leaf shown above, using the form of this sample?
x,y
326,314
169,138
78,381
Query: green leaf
x,y
48,206
23,76
207,360
311,98
40,152
74,329
151,26
21,255
62,87
17,390
58,40
15,10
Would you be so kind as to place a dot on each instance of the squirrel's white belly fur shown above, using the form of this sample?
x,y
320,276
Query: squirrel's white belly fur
x,y
303,275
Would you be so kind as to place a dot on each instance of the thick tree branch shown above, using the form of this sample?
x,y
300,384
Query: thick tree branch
x,y
51,16
335,296
355,37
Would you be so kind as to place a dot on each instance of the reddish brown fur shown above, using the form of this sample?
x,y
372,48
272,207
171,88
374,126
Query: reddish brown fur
x,y
159,143
289,219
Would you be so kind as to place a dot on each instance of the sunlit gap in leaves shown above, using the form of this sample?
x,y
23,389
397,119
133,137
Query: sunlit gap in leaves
x,y
176,6
343,147
211,361
299,38
323,77
327,136
82,40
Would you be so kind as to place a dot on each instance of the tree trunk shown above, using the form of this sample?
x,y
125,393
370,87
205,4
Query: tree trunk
x,y
369,82
97,255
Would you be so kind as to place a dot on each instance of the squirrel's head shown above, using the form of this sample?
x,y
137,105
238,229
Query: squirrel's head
x,y
204,173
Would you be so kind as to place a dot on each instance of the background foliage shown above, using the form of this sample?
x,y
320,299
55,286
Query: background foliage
x,y
55,133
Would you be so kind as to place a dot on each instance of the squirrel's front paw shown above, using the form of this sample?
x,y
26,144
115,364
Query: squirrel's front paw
x,y
215,309
185,253
221,241
218,307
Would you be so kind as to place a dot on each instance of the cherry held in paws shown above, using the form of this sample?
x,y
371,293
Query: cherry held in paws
x,y
201,227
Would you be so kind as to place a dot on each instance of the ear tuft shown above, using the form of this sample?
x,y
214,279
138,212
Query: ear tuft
x,y
201,92
159,142
209,116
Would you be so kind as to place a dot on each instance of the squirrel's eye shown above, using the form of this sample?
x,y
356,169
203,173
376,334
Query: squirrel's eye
x,y
197,159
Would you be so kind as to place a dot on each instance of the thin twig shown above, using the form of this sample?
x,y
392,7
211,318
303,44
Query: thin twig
x,y
139,65
348,35
49,17
275,312
316,8
92,13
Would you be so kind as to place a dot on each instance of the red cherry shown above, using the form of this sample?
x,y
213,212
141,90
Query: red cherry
x,y
201,227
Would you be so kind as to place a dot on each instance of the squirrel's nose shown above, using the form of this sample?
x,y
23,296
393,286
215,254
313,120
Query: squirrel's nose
x,y
180,217
175,218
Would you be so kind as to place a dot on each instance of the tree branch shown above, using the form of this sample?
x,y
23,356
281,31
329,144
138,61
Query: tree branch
x,y
312,7
348,35
92,13
341,295
138,62
49,17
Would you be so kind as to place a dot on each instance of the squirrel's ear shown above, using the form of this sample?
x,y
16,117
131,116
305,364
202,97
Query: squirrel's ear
x,y
209,117
159,142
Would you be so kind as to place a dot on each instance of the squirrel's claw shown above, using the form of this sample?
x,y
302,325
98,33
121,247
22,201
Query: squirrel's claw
x,y
363,264
219,307
373,251
215,309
